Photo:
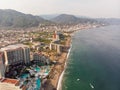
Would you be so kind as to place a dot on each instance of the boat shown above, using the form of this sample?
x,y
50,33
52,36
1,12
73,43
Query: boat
x,y
91,85
78,79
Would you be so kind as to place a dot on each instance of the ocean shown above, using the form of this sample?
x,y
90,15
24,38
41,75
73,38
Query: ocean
x,y
94,60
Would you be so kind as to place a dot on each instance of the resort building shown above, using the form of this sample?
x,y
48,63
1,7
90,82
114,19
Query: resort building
x,y
39,58
56,47
15,54
55,44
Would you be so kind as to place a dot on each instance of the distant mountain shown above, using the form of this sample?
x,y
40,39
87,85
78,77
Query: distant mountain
x,y
71,19
111,21
79,16
49,16
12,18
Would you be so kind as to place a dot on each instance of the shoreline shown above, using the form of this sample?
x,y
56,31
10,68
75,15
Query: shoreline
x,y
59,86
57,72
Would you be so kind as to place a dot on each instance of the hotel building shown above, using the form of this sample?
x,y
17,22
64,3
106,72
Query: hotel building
x,y
15,54
54,46
2,66
40,58
56,36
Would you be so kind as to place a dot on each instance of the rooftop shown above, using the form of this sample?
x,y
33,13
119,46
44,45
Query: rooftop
x,y
11,47
10,81
9,84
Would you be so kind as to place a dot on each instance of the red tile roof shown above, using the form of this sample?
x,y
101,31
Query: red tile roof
x,y
10,81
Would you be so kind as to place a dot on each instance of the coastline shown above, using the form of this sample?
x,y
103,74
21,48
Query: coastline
x,y
59,86
57,72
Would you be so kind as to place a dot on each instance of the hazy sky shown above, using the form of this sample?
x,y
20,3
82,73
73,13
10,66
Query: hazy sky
x,y
92,8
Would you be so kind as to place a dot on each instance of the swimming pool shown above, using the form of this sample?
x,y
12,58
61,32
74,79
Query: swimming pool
x,y
38,84
37,69
24,75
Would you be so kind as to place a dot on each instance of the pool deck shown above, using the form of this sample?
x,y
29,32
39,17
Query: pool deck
x,y
36,81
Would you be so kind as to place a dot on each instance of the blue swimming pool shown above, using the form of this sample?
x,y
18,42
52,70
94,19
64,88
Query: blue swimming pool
x,y
37,69
38,84
24,76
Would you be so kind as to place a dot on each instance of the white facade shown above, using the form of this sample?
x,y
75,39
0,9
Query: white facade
x,y
56,47
41,58
2,67
14,54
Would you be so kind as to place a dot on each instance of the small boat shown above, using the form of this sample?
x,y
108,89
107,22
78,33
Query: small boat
x,y
78,79
91,85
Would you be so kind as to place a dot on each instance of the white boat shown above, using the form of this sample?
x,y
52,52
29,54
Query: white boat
x,y
91,85
78,79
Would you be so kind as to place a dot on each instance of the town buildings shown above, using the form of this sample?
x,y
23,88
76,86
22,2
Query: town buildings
x,y
53,45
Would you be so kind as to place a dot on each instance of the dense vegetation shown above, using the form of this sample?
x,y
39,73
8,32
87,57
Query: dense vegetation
x,y
71,19
46,41
12,18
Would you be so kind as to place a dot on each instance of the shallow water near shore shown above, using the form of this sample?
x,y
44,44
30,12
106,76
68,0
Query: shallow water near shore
x,y
94,61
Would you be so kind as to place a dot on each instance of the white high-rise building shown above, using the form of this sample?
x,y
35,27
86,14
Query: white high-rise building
x,y
2,66
15,54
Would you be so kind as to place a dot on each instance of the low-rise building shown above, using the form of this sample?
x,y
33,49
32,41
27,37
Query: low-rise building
x,y
39,58
11,84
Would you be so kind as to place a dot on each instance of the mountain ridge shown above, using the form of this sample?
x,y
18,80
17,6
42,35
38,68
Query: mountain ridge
x,y
13,18
71,19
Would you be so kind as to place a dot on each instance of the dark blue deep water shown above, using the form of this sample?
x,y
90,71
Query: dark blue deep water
x,y
94,60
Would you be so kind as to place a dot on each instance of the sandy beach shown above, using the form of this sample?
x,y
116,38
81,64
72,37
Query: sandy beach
x,y
57,70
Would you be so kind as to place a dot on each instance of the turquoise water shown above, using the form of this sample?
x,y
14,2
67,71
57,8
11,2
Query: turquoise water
x,y
24,76
38,84
37,69
94,59
37,81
